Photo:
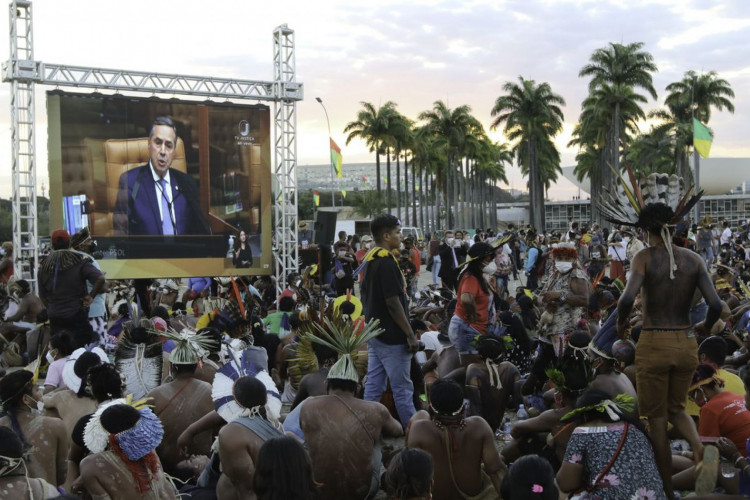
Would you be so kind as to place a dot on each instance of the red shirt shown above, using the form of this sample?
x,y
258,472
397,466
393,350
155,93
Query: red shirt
x,y
416,258
725,415
470,284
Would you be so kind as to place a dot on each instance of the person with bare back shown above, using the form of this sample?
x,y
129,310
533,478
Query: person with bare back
x,y
666,276
343,432
466,461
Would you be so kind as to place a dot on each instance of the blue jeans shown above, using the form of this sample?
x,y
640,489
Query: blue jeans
x,y
461,335
436,261
698,312
708,256
390,363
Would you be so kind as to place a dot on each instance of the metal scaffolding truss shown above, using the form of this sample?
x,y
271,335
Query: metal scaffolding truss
x,y
285,153
23,146
23,72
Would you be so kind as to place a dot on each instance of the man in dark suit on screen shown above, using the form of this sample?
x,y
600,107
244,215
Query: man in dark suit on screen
x,y
155,200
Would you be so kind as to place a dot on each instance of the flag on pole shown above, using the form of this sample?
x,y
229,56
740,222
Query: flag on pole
x,y
316,199
343,193
336,158
701,138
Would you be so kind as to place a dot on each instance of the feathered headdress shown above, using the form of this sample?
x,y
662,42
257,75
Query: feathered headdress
x,y
658,202
190,346
241,364
343,336
95,437
140,364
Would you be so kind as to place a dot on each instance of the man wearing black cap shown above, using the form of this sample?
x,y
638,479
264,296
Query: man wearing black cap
x,y
63,278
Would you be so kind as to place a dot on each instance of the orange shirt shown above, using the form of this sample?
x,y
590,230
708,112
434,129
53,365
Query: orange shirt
x,y
470,284
725,415
416,258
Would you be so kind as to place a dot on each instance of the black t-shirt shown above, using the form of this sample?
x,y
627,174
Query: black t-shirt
x,y
382,280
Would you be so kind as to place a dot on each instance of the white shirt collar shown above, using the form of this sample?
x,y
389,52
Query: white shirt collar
x,y
155,176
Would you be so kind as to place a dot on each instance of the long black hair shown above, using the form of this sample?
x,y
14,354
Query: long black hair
x,y
478,252
283,471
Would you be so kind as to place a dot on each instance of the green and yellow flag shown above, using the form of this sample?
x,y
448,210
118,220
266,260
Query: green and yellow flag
x,y
316,199
343,193
336,158
701,138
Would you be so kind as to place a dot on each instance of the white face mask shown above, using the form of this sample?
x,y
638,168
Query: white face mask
x,y
50,357
490,268
563,266
449,241
368,245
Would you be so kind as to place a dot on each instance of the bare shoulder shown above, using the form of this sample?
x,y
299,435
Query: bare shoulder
x,y
92,465
478,424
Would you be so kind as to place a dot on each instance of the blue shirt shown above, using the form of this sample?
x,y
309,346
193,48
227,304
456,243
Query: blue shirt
x,y
531,258
199,284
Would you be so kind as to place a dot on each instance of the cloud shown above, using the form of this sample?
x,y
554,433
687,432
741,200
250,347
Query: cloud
x,y
412,53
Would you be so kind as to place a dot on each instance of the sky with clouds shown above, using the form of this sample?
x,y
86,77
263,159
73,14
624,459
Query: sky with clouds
x,y
412,53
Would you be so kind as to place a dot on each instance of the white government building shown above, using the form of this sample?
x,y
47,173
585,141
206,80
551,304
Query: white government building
x,y
726,182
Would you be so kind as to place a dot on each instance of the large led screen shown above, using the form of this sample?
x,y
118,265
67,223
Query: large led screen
x,y
168,188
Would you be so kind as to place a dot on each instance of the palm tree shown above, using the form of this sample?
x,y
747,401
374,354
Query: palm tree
x,y
532,117
400,135
693,96
368,204
621,68
372,126
450,129
652,152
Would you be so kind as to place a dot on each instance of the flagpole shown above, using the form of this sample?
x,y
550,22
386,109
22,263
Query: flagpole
x,y
320,101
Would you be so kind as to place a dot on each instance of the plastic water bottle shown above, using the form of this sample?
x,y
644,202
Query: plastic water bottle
x,y
522,414
507,426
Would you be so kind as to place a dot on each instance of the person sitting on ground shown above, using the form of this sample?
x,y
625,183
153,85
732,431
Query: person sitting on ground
x,y
471,316
278,321
60,349
489,384
529,478
712,352
463,449
182,401
124,465
606,375
609,454
76,401
139,358
545,434
520,354
346,457
722,414
284,471
210,361
310,384
410,475
14,474
106,385
44,439
240,440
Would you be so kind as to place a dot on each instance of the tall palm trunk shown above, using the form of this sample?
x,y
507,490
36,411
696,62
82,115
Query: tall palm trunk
x,y
398,184
388,179
377,167
414,191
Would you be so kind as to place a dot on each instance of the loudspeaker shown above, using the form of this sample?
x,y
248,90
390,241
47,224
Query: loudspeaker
x,y
325,228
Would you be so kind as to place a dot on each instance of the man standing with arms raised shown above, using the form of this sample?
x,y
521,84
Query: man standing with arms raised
x,y
384,297
667,278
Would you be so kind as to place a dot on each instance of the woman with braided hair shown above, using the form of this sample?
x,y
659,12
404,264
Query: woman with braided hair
x,y
44,438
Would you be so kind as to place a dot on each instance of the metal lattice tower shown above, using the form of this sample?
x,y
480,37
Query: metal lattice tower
x,y
287,91
25,241
22,71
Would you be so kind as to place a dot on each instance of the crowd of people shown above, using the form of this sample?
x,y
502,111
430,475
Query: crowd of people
x,y
596,362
